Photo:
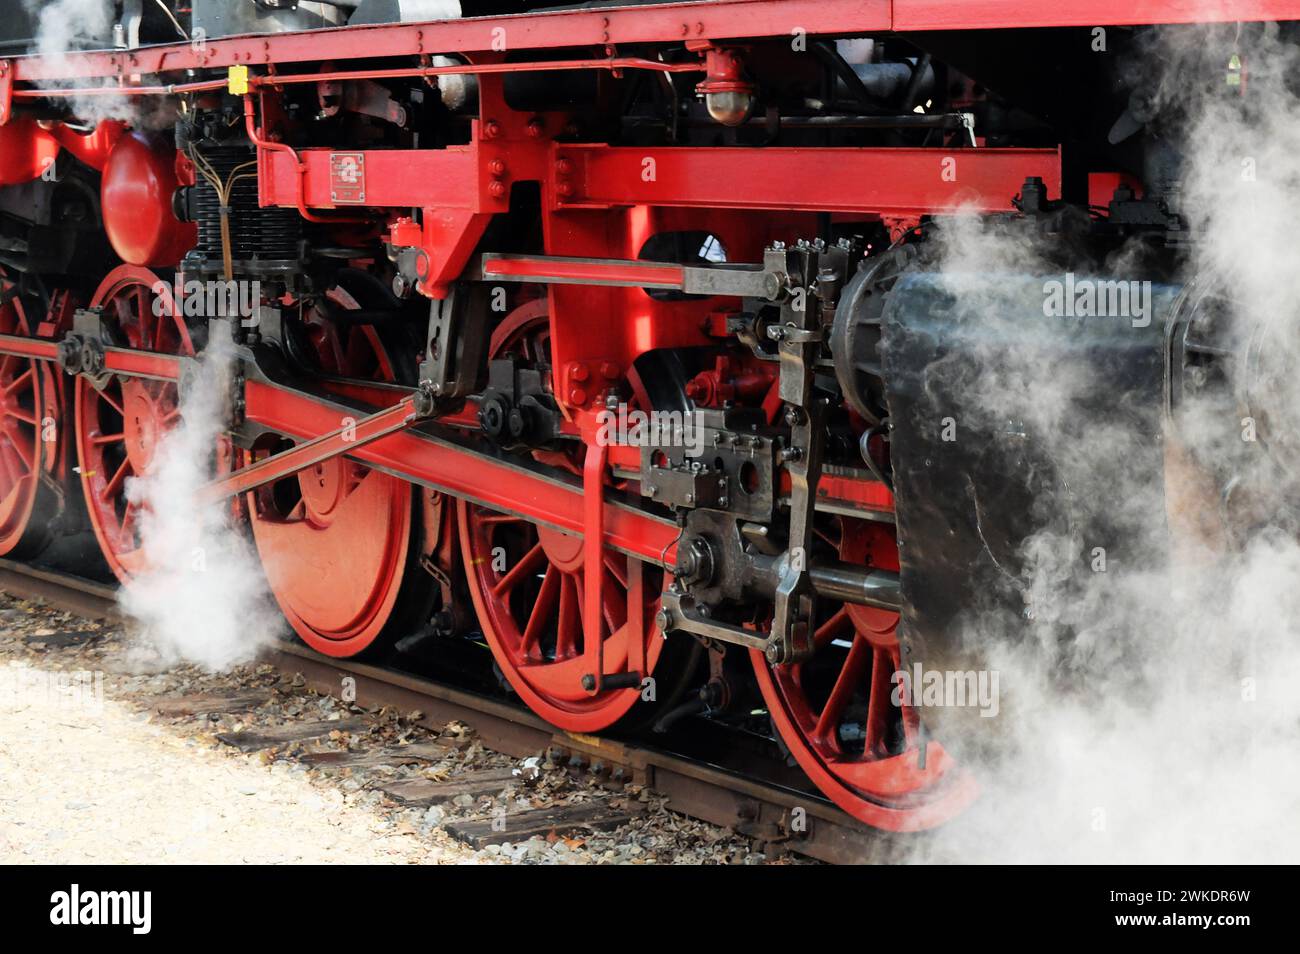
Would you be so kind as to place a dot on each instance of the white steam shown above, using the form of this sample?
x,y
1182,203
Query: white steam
x,y
1168,730
203,599
64,27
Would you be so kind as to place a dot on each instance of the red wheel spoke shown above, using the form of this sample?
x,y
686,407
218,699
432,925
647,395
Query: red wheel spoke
x,y
846,683
826,537
128,526
496,519
617,568
879,703
114,486
21,383
543,611
833,627
127,322
115,405
7,475
100,440
530,564
144,315
24,455
24,416
6,364
568,623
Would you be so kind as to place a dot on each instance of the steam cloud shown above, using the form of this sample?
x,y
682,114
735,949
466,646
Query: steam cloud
x,y
203,599
66,26
1168,728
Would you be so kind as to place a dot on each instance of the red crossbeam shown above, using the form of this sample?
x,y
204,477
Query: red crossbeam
x,y
889,181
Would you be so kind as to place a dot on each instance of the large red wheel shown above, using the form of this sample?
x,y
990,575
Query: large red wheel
x,y
527,583
119,426
28,432
836,715
338,540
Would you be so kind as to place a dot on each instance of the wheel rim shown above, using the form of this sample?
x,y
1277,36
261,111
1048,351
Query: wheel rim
x,y
334,539
527,583
835,714
25,403
120,426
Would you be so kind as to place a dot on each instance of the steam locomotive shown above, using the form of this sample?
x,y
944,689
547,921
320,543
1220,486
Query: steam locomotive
x,y
622,339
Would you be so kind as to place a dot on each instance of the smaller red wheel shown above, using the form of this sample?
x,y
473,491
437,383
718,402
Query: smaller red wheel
x,y
339,541
837,715
28,432
527,583
119,426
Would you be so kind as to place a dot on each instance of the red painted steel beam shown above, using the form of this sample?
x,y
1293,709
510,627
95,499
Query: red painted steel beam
x,y
556,29
578,271
143,364
345,439
450,178
23,347
445,466
887,181
138,364
715,20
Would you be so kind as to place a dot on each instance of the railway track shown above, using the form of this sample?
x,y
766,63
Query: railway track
x,y
777,818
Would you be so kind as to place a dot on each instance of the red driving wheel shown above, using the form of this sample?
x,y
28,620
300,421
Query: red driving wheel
x,y
119,426
337,541
28,434
836,715
527,583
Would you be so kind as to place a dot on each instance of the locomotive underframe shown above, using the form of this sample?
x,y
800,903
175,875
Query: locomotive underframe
x,y
419,434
